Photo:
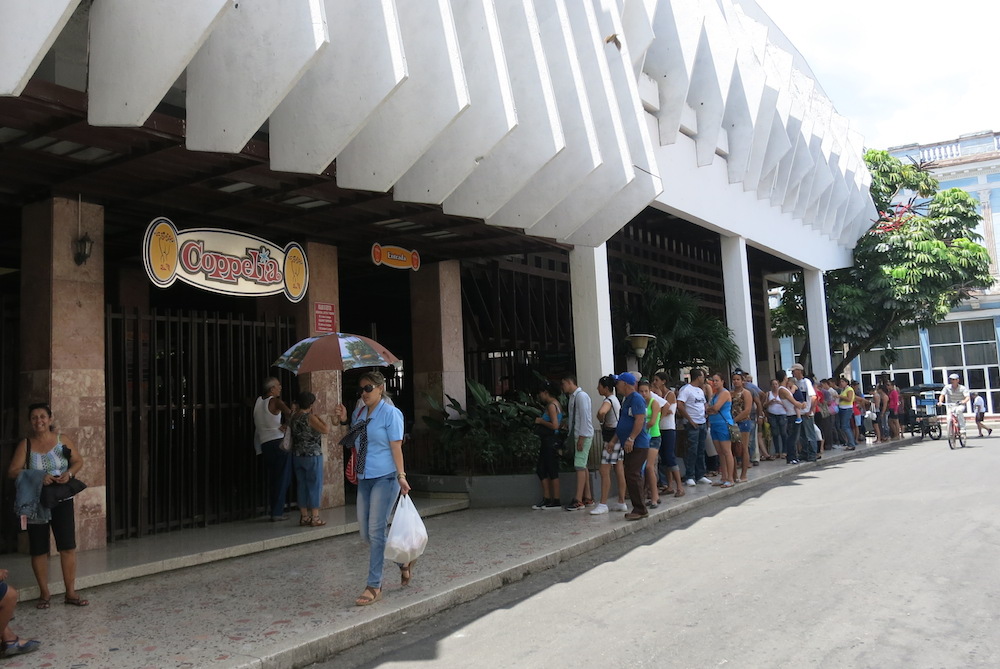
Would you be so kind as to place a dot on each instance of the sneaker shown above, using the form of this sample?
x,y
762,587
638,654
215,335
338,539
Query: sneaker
x,y
798,421
689,482
575,506
618,506
552,504
635,516
599,509
704,479
792,462
540,505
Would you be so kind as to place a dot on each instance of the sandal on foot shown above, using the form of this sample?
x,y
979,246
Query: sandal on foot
x,y
406,572
679,493
317,521
366,599
17,647
75,601
305,521
42,604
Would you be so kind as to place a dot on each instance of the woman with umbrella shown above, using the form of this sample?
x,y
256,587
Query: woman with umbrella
x,y
377,434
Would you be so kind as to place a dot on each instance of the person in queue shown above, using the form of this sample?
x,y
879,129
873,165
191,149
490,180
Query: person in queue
x,y
267,414
55,454
611,454
691,407
547,428
579,439
777,419
720,417
742,406
377,432
670,471
845,413
654,405
10,644
307,458
634,437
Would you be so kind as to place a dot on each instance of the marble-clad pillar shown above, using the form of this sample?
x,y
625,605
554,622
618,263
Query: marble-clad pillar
x,y
324,287
438,366
62,342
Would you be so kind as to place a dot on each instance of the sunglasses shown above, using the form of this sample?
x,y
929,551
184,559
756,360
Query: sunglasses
x,y
366,389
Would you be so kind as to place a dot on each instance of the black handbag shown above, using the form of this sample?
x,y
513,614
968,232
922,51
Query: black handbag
x,y
55,493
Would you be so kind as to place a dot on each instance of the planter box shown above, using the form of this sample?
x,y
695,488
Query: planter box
x,y
493,491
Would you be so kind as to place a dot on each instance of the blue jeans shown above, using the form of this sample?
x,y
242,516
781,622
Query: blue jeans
x,y
375,500
844,419
778,432
309,479
694,458
278,470
753,441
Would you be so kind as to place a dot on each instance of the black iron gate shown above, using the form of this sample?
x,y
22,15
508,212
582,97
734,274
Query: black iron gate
x,y
180,389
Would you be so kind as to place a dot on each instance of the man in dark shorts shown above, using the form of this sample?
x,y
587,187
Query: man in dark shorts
x,y
632,434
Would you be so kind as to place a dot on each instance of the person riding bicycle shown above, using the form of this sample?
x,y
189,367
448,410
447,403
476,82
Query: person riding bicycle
x,y
956,396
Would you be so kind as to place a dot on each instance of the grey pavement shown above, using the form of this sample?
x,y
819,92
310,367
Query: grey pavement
x,y
292,606
885,561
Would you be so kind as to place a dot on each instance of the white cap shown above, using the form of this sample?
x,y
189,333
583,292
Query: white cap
x,y
953,376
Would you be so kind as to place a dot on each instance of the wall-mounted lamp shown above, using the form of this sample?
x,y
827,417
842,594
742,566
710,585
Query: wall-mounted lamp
x,y
639,343
82,248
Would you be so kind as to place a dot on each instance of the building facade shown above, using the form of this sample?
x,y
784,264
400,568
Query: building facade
x,y
504,149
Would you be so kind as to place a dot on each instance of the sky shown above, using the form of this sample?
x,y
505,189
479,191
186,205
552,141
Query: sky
x,y
903,72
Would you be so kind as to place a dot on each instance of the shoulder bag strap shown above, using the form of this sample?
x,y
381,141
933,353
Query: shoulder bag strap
x,y
27,454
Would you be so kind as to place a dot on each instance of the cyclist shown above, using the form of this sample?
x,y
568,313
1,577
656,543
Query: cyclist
x,y
956,396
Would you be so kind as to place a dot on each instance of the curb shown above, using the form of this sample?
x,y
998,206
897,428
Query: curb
x,y
392,620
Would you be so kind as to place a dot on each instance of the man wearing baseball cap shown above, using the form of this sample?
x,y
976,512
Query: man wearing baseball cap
x,y
808,431
957,395
632,434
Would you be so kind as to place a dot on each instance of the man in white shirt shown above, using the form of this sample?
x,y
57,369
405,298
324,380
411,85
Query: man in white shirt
x,y
691,406
580,429
955,395
979,407
808,430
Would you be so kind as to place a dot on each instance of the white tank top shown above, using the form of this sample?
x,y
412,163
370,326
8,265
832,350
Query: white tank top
x,y
788,404
775,409
669,422
268,425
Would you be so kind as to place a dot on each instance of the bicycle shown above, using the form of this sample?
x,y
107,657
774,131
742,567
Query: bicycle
x,y
956,436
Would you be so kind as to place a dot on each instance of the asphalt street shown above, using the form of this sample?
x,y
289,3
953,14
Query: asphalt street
x,y
889,560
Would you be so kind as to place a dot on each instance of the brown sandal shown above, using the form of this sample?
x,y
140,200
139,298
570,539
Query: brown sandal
x,y
305,521
406,572
317,521
365,599
42,604
75,601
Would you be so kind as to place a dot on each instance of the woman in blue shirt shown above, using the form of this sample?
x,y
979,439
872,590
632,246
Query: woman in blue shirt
x,y
377,432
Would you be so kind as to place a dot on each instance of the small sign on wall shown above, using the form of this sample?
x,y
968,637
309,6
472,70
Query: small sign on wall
x,y
395,256
324,319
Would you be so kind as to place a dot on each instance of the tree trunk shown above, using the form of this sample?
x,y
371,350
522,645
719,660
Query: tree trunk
x,y
861,347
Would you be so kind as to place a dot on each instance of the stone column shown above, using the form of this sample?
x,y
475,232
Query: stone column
x,y
438,365
62,342
989,234
324,286
739,310
816,323
591,297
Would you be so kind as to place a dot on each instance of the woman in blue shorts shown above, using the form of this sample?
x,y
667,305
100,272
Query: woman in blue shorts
x,y
720,417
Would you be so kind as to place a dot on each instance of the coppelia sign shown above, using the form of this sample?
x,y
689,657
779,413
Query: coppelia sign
x,y
223,261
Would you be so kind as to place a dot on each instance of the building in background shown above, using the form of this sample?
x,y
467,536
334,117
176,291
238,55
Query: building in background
x,y
966,342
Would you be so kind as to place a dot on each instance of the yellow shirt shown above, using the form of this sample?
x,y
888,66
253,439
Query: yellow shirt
x,y
846,397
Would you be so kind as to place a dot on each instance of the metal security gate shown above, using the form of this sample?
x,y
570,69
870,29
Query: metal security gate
x,y
180,391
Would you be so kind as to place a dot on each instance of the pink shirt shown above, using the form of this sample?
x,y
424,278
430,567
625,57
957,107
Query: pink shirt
x,y
894,399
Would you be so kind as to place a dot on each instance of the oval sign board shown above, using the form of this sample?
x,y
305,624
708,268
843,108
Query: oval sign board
x,y
223,261
395,256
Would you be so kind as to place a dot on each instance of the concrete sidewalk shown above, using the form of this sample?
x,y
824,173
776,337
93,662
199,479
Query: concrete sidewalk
x,y
292,606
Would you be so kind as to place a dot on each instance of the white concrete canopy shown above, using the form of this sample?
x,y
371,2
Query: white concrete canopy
x,y
252,59
27,31
402,128
138,50
359,69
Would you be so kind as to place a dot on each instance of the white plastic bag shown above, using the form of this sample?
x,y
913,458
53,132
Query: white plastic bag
x,y
407,536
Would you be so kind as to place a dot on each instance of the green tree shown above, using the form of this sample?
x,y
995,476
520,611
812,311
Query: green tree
x,y
686,336
920,259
